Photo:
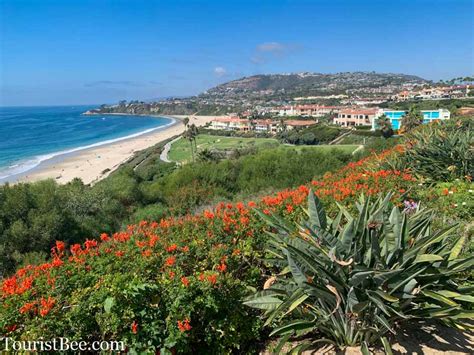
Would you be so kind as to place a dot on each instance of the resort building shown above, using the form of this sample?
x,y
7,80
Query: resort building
x,y
230,124
356,117
264,126
259,126
396,116
306,110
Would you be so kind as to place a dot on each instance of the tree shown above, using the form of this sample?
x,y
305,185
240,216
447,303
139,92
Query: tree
x,y
190,134
385,126
412,119
186,121
282,125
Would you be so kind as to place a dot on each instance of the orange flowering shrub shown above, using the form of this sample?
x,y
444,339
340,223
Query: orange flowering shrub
x,y
174,284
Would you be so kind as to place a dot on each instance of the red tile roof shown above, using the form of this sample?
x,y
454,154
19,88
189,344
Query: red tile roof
x,y
300,123
355,111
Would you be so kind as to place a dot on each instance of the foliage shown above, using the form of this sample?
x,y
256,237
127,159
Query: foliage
x,y
411,120
176,284
352,279
385,126
316,134
442,151
34,215
452,201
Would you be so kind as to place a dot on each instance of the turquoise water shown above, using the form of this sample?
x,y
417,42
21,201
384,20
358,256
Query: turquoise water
x,y
31,135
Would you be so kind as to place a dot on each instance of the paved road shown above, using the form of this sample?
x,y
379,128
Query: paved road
x,y
166,150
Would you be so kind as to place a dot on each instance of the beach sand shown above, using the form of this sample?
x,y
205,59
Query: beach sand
x,y
90,164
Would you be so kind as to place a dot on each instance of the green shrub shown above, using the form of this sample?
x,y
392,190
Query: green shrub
x,y
442,151
352,279
149,213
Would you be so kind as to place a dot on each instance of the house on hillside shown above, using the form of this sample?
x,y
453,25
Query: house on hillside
x,y
230,124
306,110
259,126
356,117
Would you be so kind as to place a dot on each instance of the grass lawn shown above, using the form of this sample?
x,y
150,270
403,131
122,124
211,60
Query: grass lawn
x,y
181,150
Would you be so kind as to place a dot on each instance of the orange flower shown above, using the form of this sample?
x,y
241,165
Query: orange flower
x,y
171,248
90,243
146,253
76,249
185,281
184,326
208,214
60,246
170,261
134,327
222,267
46,305
27,307
212,278
104,237
119,253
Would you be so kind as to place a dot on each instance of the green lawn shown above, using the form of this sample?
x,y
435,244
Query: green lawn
x,y
181,150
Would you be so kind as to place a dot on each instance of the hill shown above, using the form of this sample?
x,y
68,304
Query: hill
x,y
269,90
305,84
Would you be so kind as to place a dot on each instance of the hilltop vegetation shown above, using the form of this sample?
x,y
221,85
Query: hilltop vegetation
x,y
310,84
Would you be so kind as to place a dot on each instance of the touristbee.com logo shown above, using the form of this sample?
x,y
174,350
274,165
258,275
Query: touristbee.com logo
x,y
60,344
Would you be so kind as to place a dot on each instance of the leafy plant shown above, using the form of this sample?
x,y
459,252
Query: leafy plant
x,y
442,151
412,119
353,279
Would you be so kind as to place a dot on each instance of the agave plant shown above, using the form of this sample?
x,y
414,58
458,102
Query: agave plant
x,y
353,279
442,151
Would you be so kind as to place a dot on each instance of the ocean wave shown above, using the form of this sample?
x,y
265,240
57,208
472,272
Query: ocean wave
x,y
22,167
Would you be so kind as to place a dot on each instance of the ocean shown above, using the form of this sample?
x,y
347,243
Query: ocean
x,y
32,135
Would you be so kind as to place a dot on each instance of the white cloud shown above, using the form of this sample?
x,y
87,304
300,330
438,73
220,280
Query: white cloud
x,y
220,72
272,47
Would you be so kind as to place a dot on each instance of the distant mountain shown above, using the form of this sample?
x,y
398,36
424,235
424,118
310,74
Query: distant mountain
x,y
303,84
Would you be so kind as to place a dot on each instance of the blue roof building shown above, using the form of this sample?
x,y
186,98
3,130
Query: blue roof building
x,y
396,117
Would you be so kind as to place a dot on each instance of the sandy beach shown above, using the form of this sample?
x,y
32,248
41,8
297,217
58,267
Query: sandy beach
x,y
89,164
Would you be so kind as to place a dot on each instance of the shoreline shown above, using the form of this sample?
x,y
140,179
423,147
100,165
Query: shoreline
x,y
94,163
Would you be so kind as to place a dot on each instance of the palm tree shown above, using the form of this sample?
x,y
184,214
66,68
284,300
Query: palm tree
x,y
194,130
186,121
282,125
190,134
385,126
412,119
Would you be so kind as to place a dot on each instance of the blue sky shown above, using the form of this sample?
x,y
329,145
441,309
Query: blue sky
x,y
81,52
